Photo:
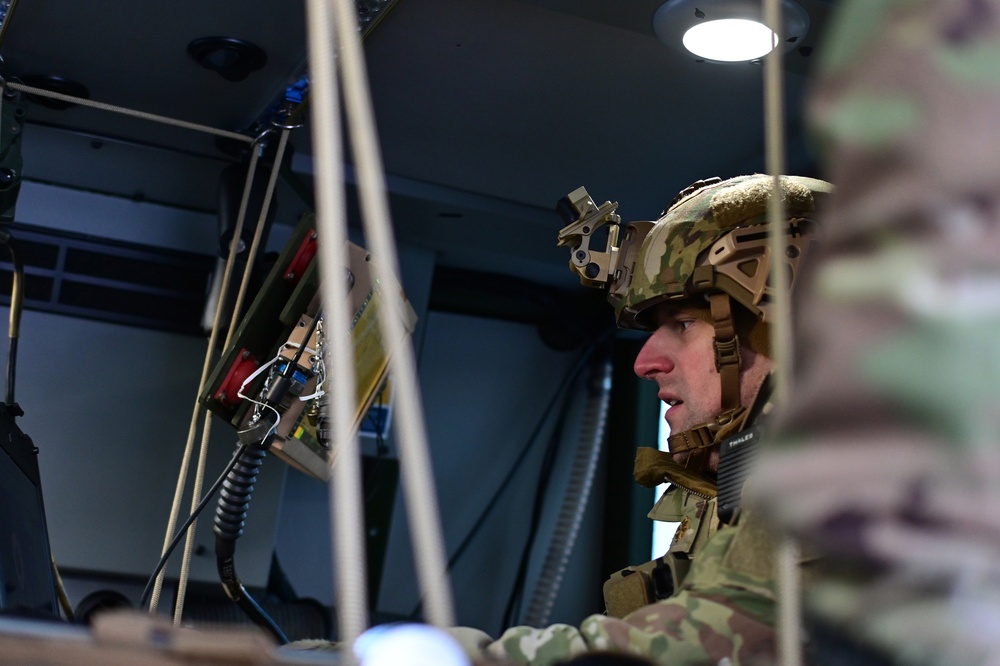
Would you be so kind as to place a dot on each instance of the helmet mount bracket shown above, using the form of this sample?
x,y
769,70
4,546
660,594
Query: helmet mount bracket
x,y
584,217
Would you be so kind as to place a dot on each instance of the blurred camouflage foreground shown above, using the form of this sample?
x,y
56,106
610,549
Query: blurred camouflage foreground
x,y
888,455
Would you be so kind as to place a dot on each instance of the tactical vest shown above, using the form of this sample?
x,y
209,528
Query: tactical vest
x,y
698,515
638,586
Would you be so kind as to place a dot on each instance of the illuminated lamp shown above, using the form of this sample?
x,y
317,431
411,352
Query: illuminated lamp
x,y
727,30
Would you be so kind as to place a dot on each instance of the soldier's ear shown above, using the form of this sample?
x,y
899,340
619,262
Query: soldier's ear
x,y
753,332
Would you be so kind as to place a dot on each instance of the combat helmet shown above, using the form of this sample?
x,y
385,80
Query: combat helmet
x,y
710,243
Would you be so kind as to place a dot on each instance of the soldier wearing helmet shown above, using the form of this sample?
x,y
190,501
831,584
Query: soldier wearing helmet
x,y
700,282
698,279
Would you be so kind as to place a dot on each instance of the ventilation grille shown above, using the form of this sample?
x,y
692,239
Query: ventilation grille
x,y
107,280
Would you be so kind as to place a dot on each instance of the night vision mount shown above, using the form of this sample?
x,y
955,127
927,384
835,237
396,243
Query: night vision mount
x,y
614,266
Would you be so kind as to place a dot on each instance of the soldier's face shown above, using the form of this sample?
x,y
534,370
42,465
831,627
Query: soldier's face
x,y
679,356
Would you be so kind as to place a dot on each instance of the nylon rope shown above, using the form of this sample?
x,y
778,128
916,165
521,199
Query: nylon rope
x,y
233,324
781,342
416,470
343,488
41,92
206,366
199,479
787,556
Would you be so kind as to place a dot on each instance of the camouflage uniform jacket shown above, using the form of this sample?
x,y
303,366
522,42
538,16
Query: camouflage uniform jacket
x,y
886,458
697,522
695,514
724,609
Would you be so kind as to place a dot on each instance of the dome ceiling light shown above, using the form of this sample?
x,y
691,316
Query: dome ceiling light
x,y
727,30
233,59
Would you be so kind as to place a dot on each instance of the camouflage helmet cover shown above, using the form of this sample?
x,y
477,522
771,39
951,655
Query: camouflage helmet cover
x,y
678,243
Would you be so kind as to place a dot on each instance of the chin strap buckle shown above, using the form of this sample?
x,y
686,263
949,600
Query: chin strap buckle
x,y
694,439
727,352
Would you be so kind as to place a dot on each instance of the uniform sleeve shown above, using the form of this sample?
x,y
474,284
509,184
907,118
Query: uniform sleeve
x,y
724,610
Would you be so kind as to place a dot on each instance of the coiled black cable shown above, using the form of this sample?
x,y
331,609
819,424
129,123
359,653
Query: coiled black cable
x,y
230,518
147,592
234,496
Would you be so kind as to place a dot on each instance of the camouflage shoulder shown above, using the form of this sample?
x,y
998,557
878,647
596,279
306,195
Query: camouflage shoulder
x,y
725,610
687,629
736,559
535,647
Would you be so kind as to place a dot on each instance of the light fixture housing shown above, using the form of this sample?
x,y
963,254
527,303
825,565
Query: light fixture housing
x,y
232,59
727,31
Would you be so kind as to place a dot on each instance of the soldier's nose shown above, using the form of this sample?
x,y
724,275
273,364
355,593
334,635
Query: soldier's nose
x,y
652,358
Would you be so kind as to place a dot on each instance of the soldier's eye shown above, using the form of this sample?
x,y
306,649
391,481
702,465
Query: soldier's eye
x,y
683,324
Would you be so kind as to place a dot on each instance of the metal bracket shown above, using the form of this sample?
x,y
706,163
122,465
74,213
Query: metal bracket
x,y
584,217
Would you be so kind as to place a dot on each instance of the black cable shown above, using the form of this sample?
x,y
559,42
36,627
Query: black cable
x,y
541,489
144,599
11,362
522,454
230,517
548,464
237,455
239,594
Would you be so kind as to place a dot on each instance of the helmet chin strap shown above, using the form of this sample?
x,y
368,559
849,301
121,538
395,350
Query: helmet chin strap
x,y
698,442
728,360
